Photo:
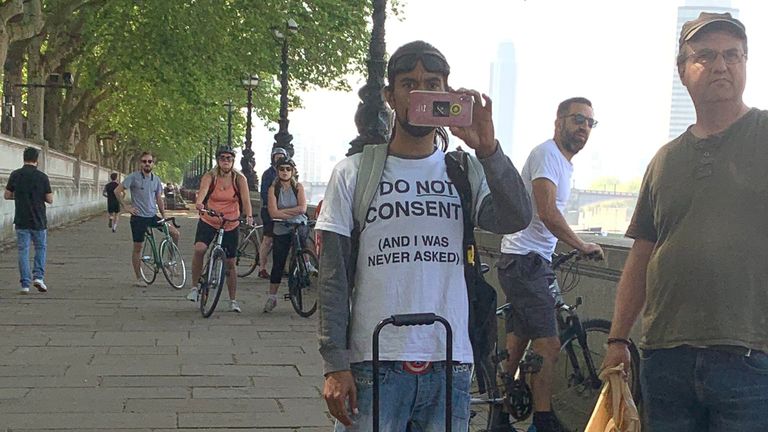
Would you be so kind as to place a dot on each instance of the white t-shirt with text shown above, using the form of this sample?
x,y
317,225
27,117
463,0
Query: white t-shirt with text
x,y
410,258
548,162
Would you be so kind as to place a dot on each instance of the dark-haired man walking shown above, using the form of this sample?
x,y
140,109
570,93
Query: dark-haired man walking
x,y
30,189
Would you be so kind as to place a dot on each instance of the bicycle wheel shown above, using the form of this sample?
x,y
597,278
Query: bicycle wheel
x,y
210,291
575,391
496,419
147,266
302,283
247,258
174,269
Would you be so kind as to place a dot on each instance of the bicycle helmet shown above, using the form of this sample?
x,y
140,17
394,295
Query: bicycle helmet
x,y
224,149
286,161
279,150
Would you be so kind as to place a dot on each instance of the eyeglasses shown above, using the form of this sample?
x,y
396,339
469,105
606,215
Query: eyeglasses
x,y
285,169
226,158
580,119
706,56
147,161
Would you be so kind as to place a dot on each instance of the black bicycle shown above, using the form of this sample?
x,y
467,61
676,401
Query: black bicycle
x,y
576,384
214,268
302,272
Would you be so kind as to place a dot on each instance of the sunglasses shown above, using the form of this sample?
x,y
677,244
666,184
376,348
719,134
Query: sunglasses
x,y
580,119
147,161
285,169
432,62
226,158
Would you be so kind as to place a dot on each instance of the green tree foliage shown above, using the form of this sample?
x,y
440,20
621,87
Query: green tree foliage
x,y
156,73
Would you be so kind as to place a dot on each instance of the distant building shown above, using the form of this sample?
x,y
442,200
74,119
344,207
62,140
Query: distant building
x,y
682,113
503,92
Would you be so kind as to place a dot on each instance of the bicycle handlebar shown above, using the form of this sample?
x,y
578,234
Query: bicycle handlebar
x,y
309,222
220,215
172,220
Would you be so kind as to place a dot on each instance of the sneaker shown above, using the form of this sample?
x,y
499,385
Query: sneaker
x,y
193,294
114,228
270,304
24,290
40,285
234,306
140,283
263,274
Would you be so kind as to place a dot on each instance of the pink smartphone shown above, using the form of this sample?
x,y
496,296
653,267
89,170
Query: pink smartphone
x,y
429,108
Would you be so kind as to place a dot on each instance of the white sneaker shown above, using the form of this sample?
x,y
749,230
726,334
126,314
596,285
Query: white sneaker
x,y
234,306
311,269
193,294
270,304
140,283
40,285
24,290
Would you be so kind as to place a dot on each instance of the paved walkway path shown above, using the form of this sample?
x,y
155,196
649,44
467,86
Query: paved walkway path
x,y
95,353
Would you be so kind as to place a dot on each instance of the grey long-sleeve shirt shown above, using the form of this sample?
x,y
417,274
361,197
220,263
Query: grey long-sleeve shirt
x,y
507,209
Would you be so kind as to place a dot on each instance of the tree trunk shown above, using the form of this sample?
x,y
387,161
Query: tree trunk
x,y
13,74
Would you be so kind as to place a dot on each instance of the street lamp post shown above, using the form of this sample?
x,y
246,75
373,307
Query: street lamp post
x,y
372,116
248,162
229,106
282,137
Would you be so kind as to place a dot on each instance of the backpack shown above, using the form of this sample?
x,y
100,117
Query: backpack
x,y
212,186
467,175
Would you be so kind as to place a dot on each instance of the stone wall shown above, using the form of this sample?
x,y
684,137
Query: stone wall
x,y
76,184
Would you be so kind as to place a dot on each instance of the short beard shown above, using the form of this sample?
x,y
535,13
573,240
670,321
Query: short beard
x,y
147,169
415,131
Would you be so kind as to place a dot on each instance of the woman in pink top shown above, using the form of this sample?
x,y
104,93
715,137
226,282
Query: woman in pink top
x,y
224,190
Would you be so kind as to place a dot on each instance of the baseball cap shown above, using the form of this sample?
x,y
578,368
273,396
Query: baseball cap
x,y
725,19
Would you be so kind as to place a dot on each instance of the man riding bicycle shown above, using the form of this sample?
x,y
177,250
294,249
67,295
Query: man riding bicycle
x,y
225,191
146,199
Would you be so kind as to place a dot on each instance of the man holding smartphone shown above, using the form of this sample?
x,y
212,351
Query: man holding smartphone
x,y
409,260
524,266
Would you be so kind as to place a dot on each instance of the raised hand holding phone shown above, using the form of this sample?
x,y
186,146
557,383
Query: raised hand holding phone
x,y
479,135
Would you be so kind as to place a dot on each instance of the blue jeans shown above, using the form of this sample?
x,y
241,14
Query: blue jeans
x,y
23,239
416,402
704,390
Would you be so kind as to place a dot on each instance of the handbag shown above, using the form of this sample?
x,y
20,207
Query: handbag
x,y
615,410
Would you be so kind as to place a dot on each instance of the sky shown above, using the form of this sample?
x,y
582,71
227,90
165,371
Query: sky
x,y
617,53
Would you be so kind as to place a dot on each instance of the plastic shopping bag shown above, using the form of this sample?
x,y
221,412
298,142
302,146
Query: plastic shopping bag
x,y
615,410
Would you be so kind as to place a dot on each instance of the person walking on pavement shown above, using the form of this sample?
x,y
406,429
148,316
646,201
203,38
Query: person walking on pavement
x,y
286,200
267,178
697,266
524,267
30,190
113,205
224,190
413,392
146,199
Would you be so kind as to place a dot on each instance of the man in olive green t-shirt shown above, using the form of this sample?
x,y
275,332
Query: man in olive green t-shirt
x,y
699,263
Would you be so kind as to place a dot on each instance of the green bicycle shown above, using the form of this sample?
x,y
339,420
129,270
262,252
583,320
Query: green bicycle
x,y
167,257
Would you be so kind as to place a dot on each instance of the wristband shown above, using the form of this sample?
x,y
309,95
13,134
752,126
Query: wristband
x,y
622,341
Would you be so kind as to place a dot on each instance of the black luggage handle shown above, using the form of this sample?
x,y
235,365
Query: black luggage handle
x,y
415,320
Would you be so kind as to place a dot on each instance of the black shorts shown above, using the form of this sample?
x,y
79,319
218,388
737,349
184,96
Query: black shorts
x,y
266,220
140,225
113,207
206,233
525,280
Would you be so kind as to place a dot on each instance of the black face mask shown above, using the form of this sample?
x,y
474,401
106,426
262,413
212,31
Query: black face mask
x,y
415,131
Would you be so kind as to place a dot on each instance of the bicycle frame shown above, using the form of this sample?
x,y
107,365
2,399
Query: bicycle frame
x,y
150,236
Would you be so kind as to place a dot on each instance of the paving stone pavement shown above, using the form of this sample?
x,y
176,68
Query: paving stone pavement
x,y
97,354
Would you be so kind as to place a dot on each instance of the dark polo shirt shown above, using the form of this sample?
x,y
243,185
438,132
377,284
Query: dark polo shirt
x,y
29,186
